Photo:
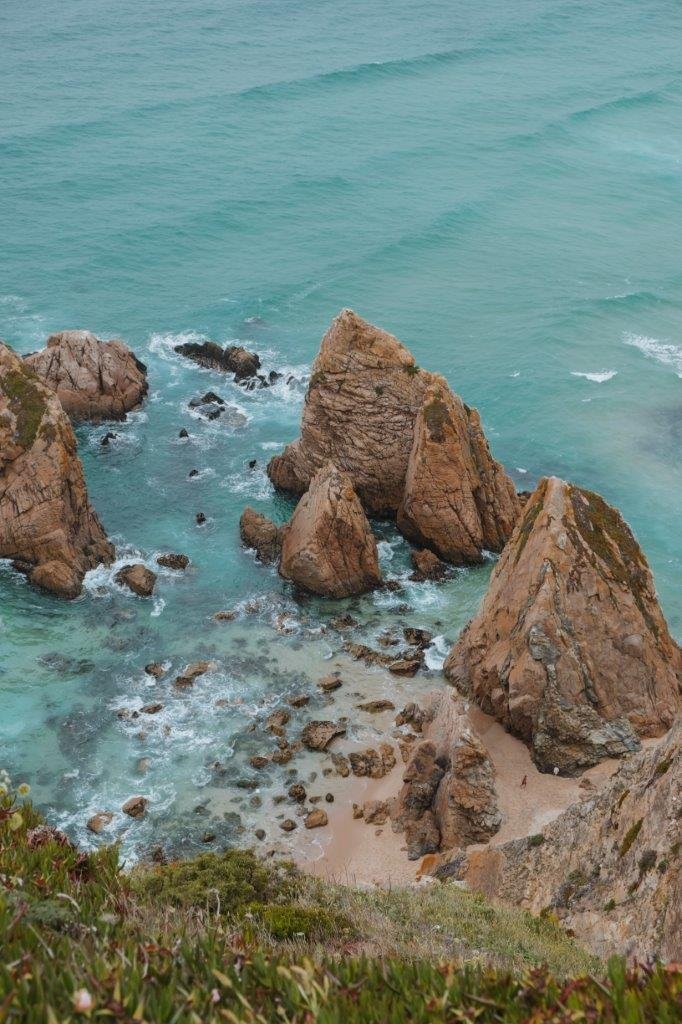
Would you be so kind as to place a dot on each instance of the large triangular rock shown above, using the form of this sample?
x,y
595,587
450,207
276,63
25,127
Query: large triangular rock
x,y
570,650
328,547
364,394
457,500
609,866
46,522
94,380
448,798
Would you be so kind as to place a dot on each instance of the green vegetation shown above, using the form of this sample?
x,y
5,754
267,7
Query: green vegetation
x,y
630,837
436,417
27,401
226,937
663,765
411,369
536,840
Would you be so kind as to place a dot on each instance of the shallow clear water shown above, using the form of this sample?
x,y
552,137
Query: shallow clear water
x,y
499,185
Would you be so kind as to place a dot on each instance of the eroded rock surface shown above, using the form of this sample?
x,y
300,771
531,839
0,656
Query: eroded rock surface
x,y
93,379
261,534
233,359
448,798
570,650
609,866
328,547
46,521
409,446
457,499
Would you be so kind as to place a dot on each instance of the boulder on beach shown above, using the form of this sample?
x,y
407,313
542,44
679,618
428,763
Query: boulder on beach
x,y
409,446
261,534
93,379
448,797
318,735
570,650
232,359
457,501
46,521
329,548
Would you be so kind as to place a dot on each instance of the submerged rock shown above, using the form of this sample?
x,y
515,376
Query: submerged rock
x,y
457,499
173,561
138,578
94,380
570,650
448,798
328,547
261,534
232,359
46,521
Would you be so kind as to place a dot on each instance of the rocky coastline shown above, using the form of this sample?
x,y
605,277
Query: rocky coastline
x,y
569,652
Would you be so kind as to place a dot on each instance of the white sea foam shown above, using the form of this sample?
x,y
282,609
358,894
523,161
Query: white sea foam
x,y
254,482
662,351
436,653
598,376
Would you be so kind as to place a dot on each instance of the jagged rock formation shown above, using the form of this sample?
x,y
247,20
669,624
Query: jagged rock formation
x,y
457,500
46,522
609,866
448,798
328,547
94,380
233,359
570,650
261,534
377,416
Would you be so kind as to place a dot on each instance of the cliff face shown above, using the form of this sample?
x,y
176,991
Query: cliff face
x,y
570,650
46,521
410,447
608,867
94,380
328,547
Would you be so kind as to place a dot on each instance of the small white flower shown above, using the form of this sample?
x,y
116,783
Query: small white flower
x,y
24,789
82,1001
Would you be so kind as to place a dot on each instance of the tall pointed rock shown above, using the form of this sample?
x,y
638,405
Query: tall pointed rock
x,y
457,500
570,650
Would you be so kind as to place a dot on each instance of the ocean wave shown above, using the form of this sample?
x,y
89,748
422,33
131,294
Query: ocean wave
x,y
436,653
254,482
662,351
598,376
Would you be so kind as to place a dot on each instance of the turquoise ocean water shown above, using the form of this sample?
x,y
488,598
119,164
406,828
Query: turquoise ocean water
x,y
498,184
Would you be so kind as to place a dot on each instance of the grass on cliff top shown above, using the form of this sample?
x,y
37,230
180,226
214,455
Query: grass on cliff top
x,y
28,402
226,937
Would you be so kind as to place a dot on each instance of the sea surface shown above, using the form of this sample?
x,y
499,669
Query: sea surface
x,y
500,185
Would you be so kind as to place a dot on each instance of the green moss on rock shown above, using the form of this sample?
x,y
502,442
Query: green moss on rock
x,y
630,837
27,401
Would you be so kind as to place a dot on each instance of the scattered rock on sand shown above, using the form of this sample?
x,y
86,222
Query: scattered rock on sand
x,y
318,735
46,521
405,666
94,380
261,534
374,707
449,784
412,715
329,683
288,825
376,812
329,548
297,792
173,561
316,819
138,578
341,764
570,650
371,763
136,806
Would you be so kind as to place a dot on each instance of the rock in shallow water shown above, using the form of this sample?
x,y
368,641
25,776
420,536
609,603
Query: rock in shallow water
x,y
46,520
138,578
